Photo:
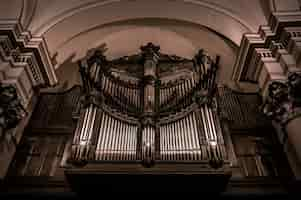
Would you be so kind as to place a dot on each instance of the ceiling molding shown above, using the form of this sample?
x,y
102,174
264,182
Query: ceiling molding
x,y
28,12
74,11
23,42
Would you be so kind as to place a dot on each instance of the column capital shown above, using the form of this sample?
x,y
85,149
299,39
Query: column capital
x,y
283,102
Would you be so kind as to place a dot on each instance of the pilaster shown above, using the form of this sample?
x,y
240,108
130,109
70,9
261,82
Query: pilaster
x,y
270,60
25,64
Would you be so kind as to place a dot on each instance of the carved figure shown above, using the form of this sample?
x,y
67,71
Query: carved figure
x,y
11,109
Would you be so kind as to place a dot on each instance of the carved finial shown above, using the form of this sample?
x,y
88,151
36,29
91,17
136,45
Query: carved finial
x,y
150,49
98,56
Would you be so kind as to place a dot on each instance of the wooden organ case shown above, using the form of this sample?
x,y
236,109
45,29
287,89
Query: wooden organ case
x,y
149,122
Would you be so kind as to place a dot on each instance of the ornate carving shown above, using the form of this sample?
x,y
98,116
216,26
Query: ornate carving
x,y
16,44
93,97
203,60
152,98
294,86
11,109
201,97
284,99
150,49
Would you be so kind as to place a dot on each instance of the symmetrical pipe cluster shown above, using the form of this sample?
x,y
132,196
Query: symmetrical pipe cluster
x,y
149,120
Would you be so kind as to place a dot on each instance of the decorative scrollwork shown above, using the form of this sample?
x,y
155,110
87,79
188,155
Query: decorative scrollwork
x,y
150,49
201,97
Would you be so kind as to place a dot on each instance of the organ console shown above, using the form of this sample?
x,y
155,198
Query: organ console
x,y
152,117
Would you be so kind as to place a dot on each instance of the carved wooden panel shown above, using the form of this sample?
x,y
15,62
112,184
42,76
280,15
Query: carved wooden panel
x,y
243,111
54,110
38,155
255,155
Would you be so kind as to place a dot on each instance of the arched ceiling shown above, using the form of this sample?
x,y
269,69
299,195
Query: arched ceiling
x,y
125,38
60,18
63,19
72,27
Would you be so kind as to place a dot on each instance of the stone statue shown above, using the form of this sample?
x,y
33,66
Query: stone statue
x,y
277,96
284,98
203,60
11,109
294,83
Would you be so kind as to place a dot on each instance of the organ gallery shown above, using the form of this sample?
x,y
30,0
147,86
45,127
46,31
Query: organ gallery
x,y
149,113
149,117
150,98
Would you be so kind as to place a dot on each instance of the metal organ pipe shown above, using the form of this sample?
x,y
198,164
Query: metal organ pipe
x,y
83,137
83,127
171,139
183,144
186,138
106,135
209,125
126,141
179,140
213,124
117,139
83,145
94,111
204,123
112,140
148,139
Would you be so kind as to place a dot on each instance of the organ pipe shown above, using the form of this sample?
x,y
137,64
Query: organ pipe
x,y
192,132
117,140
83,144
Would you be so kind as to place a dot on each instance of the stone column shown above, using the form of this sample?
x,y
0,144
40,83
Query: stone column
x,y
26,66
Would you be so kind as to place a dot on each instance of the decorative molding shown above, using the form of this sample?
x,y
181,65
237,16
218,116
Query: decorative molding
x,y
28,12
276,32
17,58
19,41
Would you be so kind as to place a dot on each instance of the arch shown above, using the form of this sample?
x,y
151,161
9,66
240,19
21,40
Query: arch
x,y
94,14
27,12
11,10
125,37
73,11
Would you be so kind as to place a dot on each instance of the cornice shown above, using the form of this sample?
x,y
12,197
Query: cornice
x,y
274,32
23,42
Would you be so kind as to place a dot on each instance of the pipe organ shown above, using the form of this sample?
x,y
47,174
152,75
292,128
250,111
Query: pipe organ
x,y
123,93
152,117
117,139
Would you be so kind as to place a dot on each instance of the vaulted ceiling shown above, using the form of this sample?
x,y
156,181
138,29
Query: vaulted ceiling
x,y
72,27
